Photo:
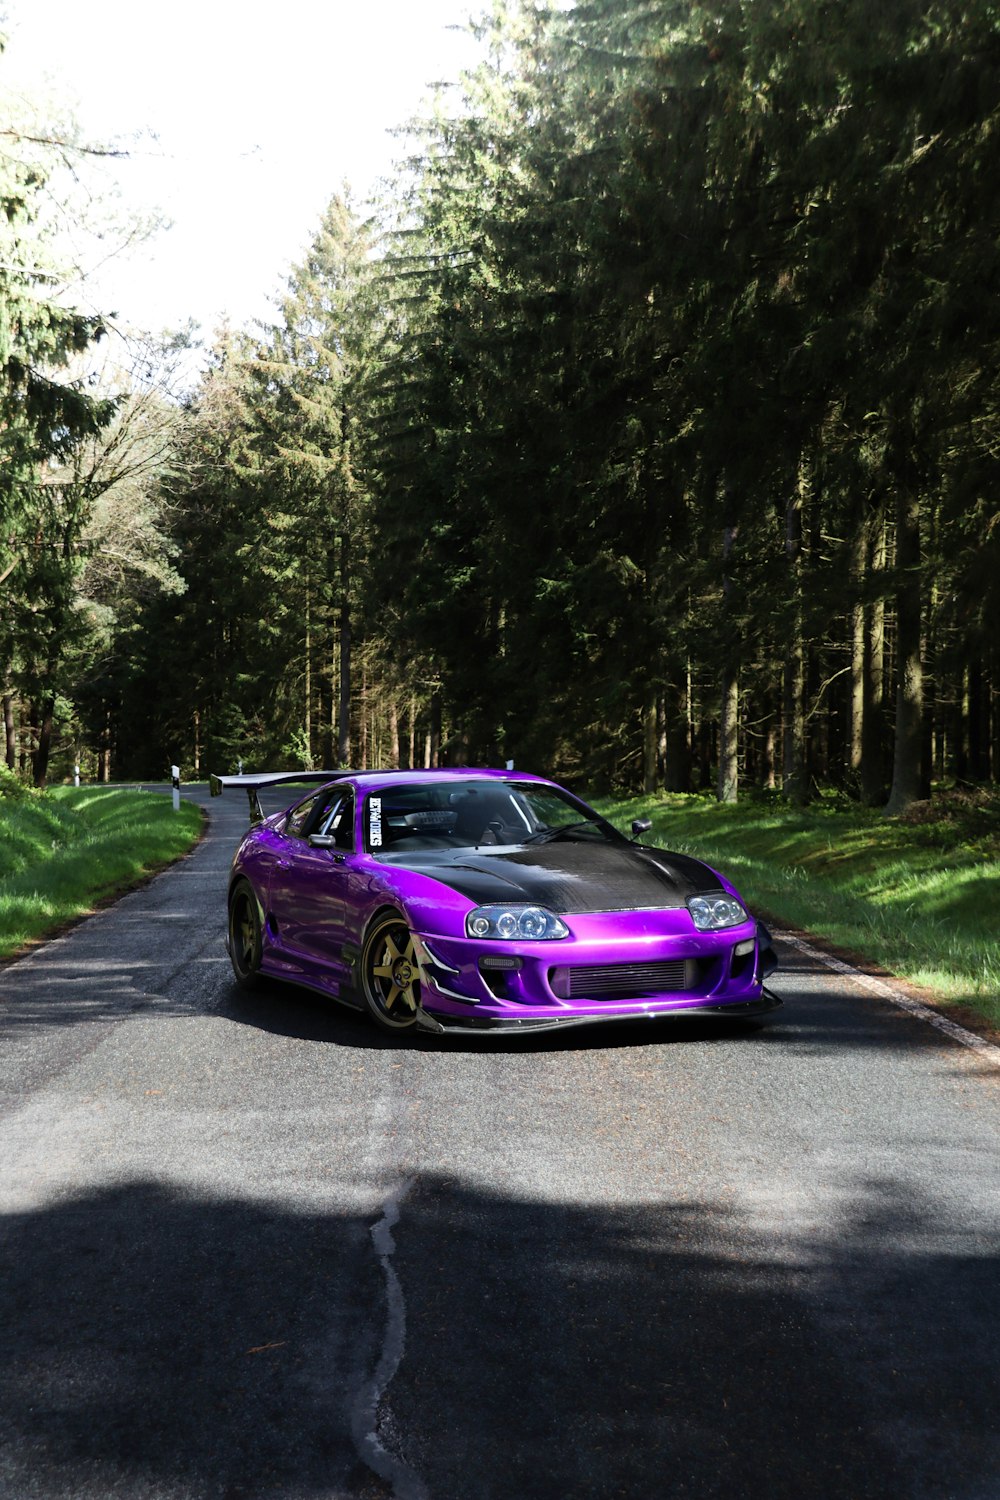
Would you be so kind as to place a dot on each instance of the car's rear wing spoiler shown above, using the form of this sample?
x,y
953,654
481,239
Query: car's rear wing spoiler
x,y
252,784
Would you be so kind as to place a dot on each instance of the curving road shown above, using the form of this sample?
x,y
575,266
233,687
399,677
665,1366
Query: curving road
x,y
252,1248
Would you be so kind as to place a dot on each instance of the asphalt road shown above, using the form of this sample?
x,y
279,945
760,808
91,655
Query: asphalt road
x,y
252,1248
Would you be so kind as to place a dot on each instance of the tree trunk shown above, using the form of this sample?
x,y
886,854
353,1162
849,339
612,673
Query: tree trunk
x,y
960,730
977,743
330,727
856,715
795,781
661,737
705,754
907,742
104,750
928,655
307,705
727,785
434,745
650,744
873,719
9,731
993,723
993,748
769,777
364,716
677,767
40,757
344,717
393,736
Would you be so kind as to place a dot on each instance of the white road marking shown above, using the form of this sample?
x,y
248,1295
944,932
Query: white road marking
x,y
896,997
406,1485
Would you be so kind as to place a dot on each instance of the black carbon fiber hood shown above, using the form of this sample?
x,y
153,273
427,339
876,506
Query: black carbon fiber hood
x,y
572,876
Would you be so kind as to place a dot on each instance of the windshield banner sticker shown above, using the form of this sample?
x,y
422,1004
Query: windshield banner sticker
x,y
375,822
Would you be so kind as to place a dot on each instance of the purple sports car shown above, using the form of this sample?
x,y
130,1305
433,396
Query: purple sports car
x,y
483,901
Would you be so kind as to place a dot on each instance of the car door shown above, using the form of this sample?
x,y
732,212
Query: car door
x,y
309,884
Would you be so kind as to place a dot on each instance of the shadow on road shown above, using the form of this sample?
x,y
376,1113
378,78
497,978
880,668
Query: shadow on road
x,y
174,1345
288,1010
811,1022
88,988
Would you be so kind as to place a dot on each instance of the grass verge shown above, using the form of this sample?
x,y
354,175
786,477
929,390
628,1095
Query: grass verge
x,y
66,852
919,895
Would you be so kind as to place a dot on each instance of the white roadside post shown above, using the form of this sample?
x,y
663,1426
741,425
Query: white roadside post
x,y
175,779
76,773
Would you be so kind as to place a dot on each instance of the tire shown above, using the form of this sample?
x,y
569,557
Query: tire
x,y
245,941
391,974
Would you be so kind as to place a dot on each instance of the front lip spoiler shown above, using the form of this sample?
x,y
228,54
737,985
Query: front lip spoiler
x,y
737,1010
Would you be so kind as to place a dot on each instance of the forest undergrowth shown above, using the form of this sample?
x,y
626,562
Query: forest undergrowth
x,y
918,895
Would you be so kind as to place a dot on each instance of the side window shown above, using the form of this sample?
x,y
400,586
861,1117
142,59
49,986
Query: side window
x,y
299,817
338,821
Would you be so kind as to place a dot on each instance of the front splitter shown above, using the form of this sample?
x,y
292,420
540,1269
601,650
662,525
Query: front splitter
x,y
740,1010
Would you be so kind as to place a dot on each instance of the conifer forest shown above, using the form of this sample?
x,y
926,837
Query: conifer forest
x,y
645,433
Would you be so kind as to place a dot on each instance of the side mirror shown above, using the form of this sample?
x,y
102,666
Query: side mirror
x,y
640,825
322,841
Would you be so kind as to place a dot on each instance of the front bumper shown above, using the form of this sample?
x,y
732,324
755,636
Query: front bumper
x,y
615,966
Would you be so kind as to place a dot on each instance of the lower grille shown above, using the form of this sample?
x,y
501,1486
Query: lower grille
x,y
623,981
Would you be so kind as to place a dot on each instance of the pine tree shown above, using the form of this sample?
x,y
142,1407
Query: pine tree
x,y
46,410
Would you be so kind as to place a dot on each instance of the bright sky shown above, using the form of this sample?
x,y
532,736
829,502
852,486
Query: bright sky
x,y
260,109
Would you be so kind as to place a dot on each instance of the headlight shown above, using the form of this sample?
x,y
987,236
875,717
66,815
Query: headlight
x,y
524,922
711,912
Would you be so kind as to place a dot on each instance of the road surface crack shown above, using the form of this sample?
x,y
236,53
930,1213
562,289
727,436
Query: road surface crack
x,y
366,1424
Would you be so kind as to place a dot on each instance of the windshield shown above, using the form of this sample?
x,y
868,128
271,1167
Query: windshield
x,y
443,815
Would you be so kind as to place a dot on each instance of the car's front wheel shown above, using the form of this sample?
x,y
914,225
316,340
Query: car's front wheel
x,y
391,974
245,943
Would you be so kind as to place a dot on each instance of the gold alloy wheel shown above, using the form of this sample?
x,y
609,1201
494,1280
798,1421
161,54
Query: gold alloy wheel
x,y
243,931
393,973
245,936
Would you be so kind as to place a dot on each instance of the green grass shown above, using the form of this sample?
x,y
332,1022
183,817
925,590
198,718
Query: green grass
x,y
65,852
918,895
